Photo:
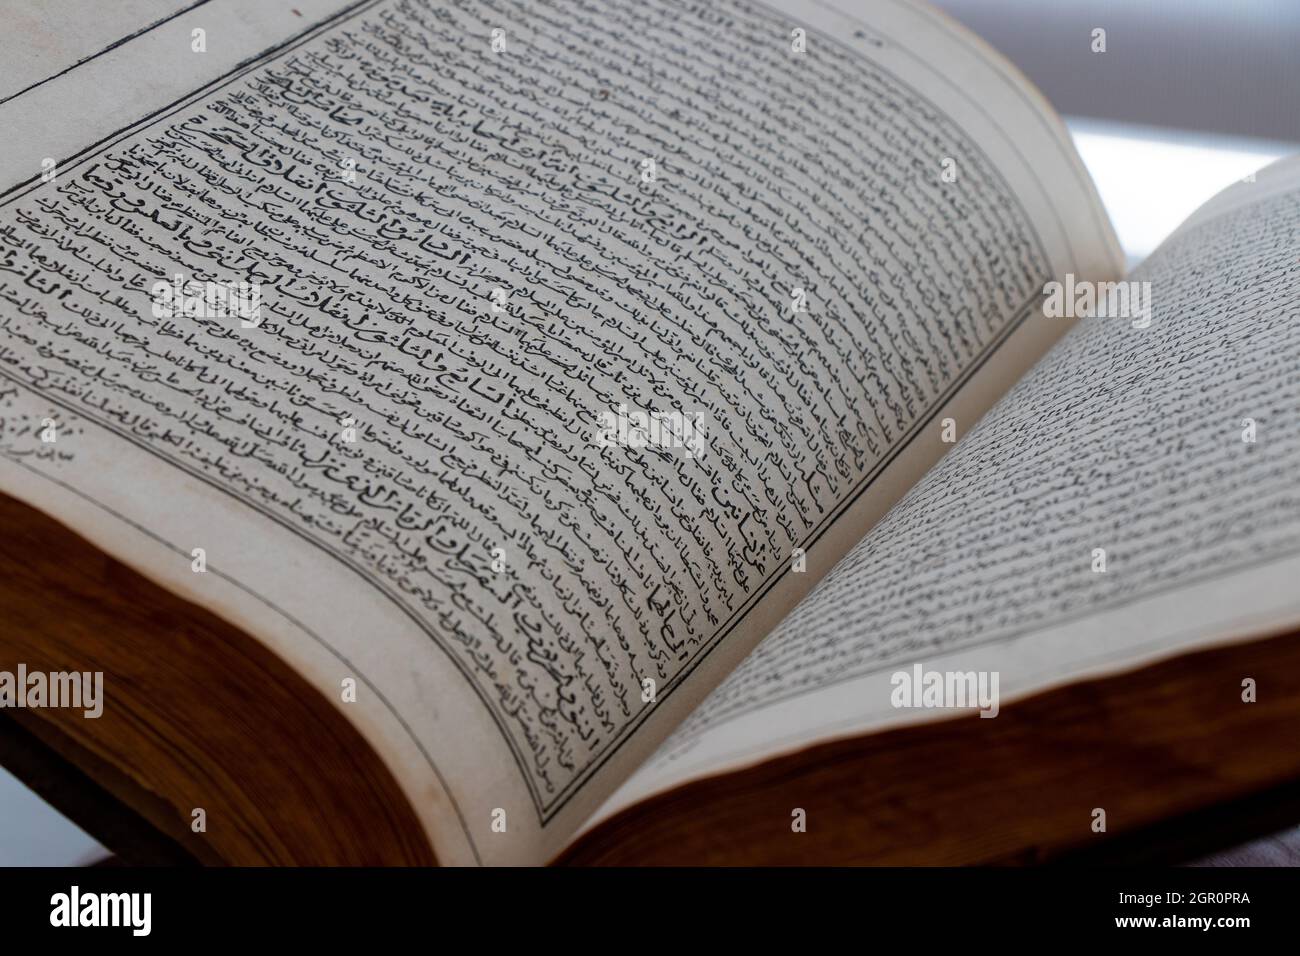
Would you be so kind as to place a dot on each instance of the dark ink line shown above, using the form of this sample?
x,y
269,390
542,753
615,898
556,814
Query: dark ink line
x,y
108,49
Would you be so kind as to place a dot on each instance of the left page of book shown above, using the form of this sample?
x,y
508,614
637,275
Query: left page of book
x,y
346,322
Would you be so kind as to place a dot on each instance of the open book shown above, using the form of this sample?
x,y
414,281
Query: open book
x,y
628,430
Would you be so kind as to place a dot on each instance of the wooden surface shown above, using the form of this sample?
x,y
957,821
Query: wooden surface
x,y
196,714
69,791
1170,741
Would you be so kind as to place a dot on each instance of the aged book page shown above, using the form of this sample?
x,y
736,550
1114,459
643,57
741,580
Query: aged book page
x,y
1173,448
475,231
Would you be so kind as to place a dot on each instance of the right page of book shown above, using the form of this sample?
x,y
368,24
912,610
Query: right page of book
x,y
1135,496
